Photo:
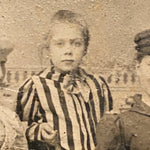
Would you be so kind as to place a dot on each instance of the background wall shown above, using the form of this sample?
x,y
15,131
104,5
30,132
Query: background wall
x,y
113,25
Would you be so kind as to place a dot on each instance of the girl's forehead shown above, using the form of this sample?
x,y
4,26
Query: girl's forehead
x,y
58,23
65,29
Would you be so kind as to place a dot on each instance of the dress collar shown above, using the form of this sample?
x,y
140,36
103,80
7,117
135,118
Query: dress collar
x,y
51,74
72,82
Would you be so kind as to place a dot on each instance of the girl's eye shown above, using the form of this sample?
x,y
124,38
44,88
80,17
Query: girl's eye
x,y
77,44
59,43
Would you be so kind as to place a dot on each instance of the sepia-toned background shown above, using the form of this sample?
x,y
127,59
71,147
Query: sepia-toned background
x,y
112,24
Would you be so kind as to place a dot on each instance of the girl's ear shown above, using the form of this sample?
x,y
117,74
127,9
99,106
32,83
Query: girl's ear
x,y
85,52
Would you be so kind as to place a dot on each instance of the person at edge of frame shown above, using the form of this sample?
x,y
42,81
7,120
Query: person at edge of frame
x,y
130,130
63,104
11,132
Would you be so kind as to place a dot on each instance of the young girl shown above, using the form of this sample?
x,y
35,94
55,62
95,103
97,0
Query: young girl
x,y
63,104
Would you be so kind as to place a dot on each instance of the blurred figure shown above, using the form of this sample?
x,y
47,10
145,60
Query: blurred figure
x,y
11,132
130,130
5,48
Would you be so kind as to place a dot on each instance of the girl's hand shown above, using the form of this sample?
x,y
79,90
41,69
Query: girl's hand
x,y
49,135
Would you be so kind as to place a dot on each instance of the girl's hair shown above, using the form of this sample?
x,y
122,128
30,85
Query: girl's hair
x,y
75,18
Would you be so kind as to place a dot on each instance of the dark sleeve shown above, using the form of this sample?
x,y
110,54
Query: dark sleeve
x,y
108,133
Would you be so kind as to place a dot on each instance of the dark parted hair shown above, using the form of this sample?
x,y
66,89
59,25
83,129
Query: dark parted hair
x,y
140,56
142,41
75,18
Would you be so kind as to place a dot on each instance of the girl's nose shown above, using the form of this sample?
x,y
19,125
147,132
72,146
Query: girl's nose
x,y
68,49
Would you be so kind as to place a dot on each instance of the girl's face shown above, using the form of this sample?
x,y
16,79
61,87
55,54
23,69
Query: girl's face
x,y
143,70
66,46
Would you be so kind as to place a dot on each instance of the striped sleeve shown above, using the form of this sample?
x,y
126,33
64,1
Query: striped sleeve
x,y
28,109
100,96
34,130
27,101
106,94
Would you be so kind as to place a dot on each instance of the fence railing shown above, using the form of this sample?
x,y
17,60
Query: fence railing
x,y
114,79
122,84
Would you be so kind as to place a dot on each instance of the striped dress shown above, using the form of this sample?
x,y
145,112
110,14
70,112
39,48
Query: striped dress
x,y
71,104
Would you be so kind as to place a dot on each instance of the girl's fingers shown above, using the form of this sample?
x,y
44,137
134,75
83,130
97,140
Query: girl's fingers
x,y
50,136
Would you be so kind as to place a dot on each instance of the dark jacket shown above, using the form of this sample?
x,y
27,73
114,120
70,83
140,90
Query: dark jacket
x,y
127,131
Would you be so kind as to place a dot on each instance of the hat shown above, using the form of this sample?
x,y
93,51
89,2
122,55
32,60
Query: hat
x,y
5,48
142,40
